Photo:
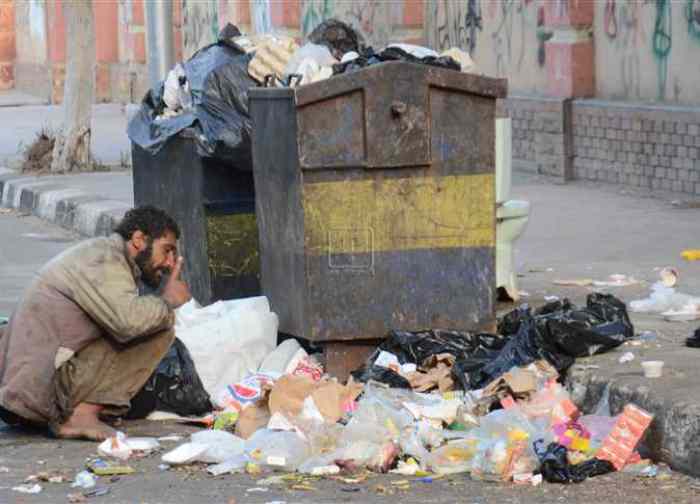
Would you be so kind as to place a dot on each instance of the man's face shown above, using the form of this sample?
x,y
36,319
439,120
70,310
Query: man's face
x,y
157,259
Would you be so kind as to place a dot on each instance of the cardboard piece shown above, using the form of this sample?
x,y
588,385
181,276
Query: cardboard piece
x,y
330,397
436,372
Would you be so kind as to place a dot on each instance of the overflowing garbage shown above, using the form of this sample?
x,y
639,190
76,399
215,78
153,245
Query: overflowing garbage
x,y
208,94
426,403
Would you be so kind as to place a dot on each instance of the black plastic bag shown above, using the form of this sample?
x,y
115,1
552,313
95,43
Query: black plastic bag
x,y
174,386
218,78
692,342
382,375
603,325
555,466
416,347
528,345
368,57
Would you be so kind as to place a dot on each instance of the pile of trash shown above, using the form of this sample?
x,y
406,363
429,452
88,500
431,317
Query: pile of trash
x,y
426,403
208,94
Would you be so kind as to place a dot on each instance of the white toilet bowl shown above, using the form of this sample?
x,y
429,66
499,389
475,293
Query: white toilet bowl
x,y
511,220
511,215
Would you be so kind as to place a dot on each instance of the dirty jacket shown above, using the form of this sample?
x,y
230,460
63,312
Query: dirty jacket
x,y
87,292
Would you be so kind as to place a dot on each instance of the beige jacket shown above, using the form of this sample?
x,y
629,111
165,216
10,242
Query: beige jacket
x,y
87,292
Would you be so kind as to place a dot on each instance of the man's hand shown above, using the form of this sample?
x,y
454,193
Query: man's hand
x,y
176,293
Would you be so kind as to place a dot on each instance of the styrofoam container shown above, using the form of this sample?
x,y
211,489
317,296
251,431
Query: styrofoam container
x,y
653,369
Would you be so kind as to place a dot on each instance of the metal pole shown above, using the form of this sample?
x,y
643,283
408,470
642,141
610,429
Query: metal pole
x,y
160,51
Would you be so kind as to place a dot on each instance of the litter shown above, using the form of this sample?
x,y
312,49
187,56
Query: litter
x,y
28,489
97,492
626,357
84,480
228,340
668,303
694,340
218,82
272,54
691,255
174,386
669,276
616,280
102,468
653,369
121,447
338,37
622,440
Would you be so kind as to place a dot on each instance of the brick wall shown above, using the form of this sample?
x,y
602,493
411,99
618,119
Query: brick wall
x,y
540,143
655,147
648,146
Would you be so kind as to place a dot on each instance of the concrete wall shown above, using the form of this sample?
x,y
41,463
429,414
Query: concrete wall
x,y
647,51
506,37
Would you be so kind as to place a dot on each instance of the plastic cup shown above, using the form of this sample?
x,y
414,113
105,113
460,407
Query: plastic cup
x,y
653,369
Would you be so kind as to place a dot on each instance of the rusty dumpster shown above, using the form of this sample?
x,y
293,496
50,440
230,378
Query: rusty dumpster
x,y
375,204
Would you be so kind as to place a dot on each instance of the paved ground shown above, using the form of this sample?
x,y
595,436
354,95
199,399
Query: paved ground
x,y
576,230
21,124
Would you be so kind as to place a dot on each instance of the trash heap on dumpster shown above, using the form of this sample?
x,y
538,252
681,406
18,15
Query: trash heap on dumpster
x,y
430,403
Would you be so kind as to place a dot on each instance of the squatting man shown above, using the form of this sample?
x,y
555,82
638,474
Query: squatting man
x,y
83,340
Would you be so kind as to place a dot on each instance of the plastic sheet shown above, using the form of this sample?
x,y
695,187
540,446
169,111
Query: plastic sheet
x,y
218,80
280,450
175,386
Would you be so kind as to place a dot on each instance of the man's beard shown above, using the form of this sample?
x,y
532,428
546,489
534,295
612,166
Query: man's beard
x,y
149,274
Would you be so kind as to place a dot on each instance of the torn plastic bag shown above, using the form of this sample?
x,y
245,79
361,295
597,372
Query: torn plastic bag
x,y
369,57
555,466
218,81
174,386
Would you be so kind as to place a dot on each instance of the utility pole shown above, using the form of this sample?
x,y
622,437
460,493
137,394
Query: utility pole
x,y
160,51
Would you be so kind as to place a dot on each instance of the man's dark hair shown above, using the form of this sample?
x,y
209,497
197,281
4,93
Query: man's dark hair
x,y
150,220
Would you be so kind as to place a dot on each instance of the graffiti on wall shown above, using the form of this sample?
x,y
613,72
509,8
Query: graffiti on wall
x,y
453,23
634,27
200,25
692,14
371,18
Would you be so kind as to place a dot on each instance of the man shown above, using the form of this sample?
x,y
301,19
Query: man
x,y
82,341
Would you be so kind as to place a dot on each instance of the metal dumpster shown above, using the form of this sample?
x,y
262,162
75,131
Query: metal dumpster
x,y
375,204
214,205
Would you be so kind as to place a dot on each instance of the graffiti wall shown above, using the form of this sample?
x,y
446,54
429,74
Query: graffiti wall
x,y
374,19
200,25
648,50
505,37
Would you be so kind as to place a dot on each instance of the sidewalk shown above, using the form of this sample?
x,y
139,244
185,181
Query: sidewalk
x,y
22,122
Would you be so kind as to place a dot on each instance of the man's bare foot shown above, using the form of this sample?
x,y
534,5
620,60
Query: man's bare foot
x,y
84,423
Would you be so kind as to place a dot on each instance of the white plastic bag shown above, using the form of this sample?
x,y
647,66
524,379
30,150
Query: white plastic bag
x,y
222,445
227,340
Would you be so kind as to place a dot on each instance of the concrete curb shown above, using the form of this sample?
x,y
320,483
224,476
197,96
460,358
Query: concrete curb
x,y
674,435
74,209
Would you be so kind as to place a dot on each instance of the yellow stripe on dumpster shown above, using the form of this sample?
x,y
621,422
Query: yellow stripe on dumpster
x,y
381,215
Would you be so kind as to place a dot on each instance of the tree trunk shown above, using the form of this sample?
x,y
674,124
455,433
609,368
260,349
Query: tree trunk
x,y
72,149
